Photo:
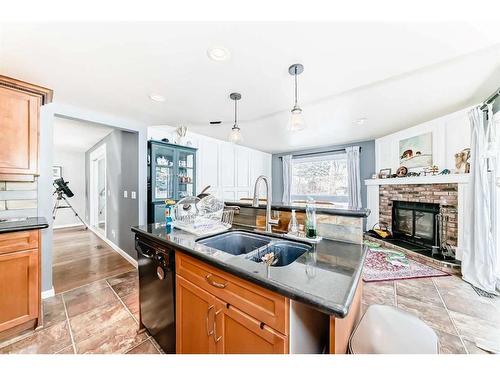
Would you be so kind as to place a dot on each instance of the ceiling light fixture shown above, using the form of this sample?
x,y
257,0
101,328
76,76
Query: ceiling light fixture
x,y
156,98
218,53
296,122
235,135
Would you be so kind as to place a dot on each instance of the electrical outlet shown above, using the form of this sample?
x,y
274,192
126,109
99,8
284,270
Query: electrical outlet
x,y
125,194
113,233
133,195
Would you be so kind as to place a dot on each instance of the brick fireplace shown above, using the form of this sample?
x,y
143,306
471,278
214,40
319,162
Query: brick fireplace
x,y
445,195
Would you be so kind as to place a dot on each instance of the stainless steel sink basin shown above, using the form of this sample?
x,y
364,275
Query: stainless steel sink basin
x,y
254,246
285,252
236,243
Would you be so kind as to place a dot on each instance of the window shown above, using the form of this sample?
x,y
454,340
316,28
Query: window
x,y
324,178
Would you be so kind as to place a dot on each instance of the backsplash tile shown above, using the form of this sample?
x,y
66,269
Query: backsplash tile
x,y
18,199
21,204
10,185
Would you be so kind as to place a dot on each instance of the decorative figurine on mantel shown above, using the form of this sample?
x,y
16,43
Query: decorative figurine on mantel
x,y
462,161
432,170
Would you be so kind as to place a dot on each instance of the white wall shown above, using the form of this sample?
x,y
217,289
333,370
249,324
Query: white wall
x,y
230,170
73,170
450,134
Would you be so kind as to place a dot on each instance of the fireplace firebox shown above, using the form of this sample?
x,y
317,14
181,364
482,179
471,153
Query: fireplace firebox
x,y
416,223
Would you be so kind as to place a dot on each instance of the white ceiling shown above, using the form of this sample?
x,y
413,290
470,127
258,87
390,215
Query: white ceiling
x,y
394,74
77,136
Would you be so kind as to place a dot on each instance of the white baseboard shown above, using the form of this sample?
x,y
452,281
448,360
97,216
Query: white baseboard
x,y
48,293
68,226
127,257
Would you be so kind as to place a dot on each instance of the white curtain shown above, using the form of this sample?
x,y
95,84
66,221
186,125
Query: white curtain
x,y
287,178
353,177
479,257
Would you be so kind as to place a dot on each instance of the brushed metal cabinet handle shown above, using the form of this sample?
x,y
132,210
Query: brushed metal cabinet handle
x,y
216,339
207,319
214,283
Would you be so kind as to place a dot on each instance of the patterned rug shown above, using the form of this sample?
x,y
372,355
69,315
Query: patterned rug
x,y
380,265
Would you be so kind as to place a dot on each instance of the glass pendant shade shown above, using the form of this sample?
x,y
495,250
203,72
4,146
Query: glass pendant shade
x,y
235,135
296,122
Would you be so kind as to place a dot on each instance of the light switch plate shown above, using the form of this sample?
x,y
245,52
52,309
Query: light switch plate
x,y
133,195
125,194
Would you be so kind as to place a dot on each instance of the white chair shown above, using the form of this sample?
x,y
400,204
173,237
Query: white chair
x,y
389,330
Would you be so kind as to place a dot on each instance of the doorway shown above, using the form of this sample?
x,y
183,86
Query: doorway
x,y
98,190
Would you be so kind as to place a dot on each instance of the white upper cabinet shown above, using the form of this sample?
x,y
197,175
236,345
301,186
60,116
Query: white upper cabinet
x,y
227,165
229,169
242,167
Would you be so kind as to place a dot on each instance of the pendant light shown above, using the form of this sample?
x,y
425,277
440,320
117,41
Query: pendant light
x,y
235,135
296,122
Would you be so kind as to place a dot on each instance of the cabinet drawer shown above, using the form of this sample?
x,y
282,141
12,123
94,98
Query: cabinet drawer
x,y
269,308
17,241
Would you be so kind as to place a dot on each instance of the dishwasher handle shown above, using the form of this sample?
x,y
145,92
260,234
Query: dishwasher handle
x,y
145,250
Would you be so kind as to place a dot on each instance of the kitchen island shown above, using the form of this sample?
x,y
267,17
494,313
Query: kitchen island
x,y
226,303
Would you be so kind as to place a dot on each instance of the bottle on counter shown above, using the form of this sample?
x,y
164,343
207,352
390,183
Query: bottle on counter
x,y
293,225
311,225
169,206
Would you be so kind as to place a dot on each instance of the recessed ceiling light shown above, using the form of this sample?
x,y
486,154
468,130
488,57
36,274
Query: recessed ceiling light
x,y
218,53
156,98
360,121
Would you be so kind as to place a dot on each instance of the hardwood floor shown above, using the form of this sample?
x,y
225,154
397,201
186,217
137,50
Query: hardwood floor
x,y
80,258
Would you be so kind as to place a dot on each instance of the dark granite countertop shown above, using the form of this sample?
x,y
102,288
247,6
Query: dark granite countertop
x,y
325,278
24,224
362,212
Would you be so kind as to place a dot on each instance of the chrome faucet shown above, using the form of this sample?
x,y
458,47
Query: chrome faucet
x,y
269,221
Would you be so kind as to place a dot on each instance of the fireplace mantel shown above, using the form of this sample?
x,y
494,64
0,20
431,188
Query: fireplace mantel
x,y
421,180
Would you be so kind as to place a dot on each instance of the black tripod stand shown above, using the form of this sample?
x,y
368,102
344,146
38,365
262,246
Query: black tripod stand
x,y
61,189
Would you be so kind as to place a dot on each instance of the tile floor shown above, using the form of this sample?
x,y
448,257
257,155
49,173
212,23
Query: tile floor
x,y
101,317
449,305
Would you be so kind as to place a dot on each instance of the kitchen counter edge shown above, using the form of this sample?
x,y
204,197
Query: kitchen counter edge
x,y
29,224
318,303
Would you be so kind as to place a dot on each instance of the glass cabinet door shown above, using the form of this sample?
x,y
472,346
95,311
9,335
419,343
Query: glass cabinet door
x,y
162,173
186,173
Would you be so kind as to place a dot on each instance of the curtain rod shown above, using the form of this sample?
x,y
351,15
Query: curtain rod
x,y
320,152
490,99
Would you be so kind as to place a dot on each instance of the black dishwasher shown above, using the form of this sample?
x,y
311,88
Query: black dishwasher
x,y
157,292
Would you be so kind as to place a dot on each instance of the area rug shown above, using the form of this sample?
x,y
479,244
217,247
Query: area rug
x,y
378,268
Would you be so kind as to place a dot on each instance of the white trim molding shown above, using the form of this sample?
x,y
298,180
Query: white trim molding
x,y
120,251
68,226
48,293
462,178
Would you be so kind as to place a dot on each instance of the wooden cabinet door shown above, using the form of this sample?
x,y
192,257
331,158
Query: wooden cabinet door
x,y
19,114
19,288
194,319
238,333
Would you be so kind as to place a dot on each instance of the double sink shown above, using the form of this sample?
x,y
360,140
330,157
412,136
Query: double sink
x,y
256,246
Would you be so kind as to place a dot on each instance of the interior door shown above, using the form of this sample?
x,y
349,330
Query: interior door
x,y
238,333
98,189
194,319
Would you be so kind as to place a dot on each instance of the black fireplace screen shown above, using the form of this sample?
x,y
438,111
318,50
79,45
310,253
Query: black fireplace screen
x,y
415,222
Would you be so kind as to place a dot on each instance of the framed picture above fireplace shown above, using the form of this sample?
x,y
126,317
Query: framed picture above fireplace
x,y
415,152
